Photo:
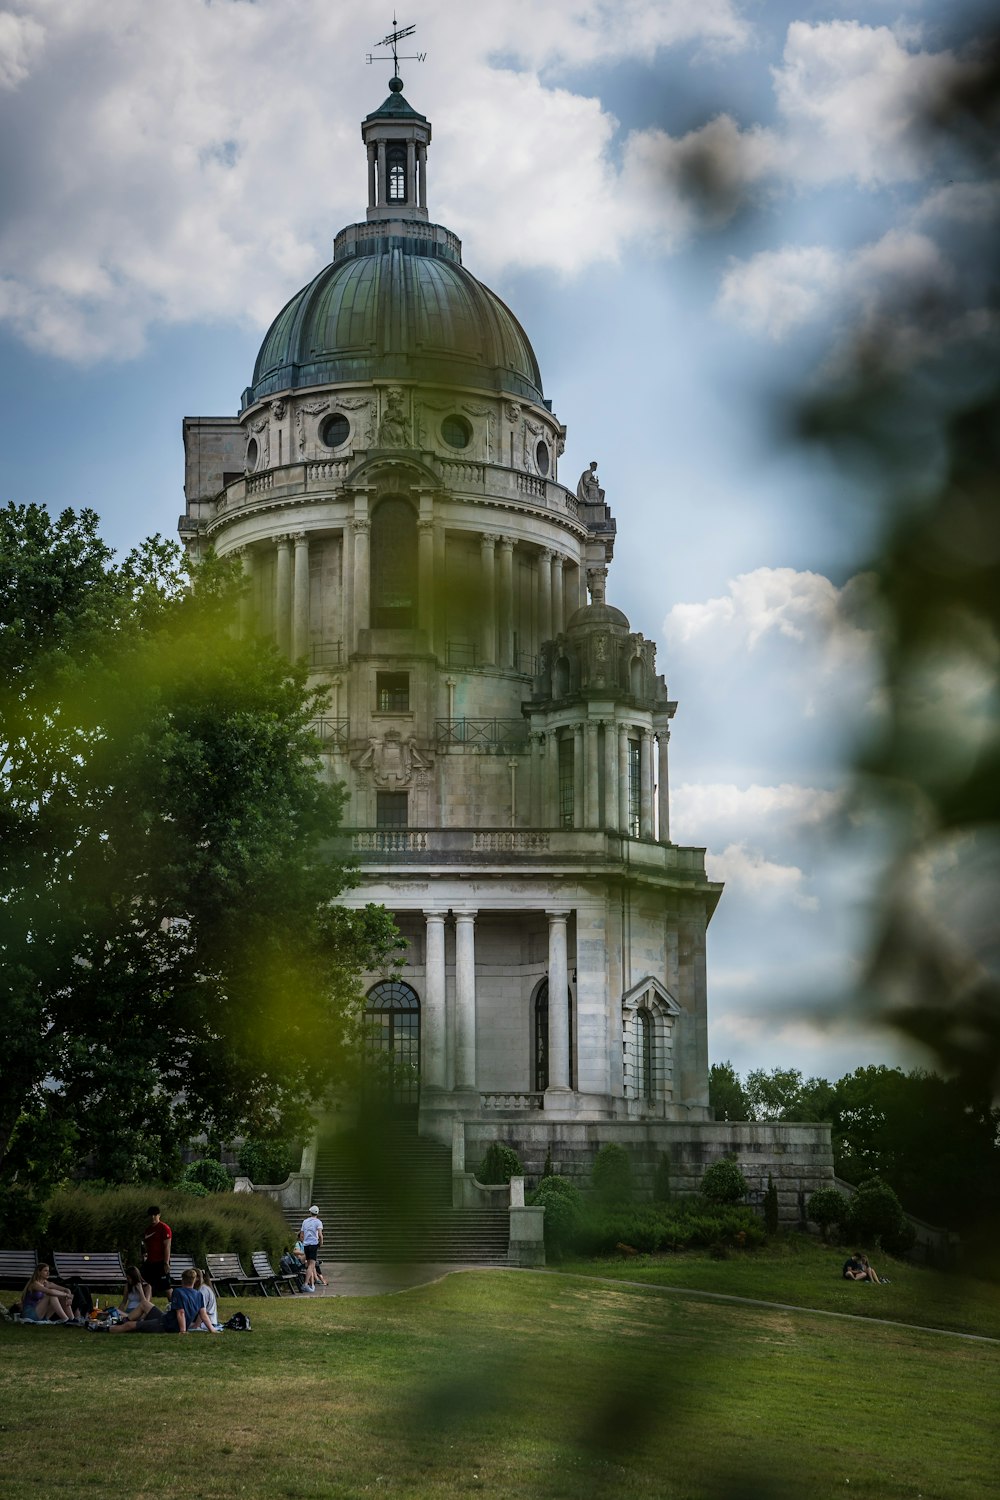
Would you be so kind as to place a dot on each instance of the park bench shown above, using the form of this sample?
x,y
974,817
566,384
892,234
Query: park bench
x,y
227,1271
178,1265
264,1269
17,1268
101,1268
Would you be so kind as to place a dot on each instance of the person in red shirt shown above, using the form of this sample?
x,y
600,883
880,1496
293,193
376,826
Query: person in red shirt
x,y
156,1252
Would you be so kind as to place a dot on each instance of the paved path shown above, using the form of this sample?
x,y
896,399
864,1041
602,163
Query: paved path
x,y
350,1280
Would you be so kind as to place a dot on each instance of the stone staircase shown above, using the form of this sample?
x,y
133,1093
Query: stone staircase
x,y
384,1194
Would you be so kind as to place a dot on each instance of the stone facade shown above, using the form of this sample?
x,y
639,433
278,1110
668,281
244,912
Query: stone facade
x,y
392,487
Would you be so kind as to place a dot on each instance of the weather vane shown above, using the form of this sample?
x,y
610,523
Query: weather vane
x,y
393,40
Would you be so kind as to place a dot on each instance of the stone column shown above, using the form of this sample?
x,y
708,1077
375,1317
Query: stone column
x,y
663,779
593,796
300,596
581,579
558,607
646,784
246,596
362,574
552,814
440,596
465,1000
623,768
488,603
411,173
537,813
372,179
383,194
432,1028
347,588
558,1001
506,654
425,577
283,594
544,597
422,175
611,813
578,812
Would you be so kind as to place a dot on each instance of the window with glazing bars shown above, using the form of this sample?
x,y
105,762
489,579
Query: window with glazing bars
x,y
634,788
397,176
391,809
566,782
392,692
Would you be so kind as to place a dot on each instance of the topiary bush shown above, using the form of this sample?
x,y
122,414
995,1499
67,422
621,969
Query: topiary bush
x,y
771,1207
563,1205
611,1177
499,1165
265,1161
828,1208
209,1174
723,1182
876,1218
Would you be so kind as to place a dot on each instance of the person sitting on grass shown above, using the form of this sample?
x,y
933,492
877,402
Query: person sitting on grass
x,y
136,1304
859,1268
185,1312
42,1301
205,1287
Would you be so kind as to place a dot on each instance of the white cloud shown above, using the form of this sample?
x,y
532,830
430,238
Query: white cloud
x,y
777,291
749,872
21,39
698,811
854,98
799,606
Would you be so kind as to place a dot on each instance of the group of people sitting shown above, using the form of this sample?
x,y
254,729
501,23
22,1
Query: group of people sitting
x,y
191,1307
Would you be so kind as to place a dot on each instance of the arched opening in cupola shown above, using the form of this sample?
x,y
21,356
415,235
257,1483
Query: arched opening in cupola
x,y
394,565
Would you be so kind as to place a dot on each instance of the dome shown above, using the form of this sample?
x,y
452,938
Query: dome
x,y
399,307
596,615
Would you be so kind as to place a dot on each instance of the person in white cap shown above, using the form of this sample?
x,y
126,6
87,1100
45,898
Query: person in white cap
x,y
311,1235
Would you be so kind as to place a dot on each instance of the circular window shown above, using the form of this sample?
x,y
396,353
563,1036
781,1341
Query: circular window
x,y
335,430
253,453
542,459
456,432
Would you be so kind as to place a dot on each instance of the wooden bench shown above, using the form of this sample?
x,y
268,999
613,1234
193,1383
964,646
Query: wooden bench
x,y
264,1269
17,1268
227,1271
96,1269
178,1265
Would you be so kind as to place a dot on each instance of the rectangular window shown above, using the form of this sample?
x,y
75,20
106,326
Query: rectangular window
x,y
566,782
391,809
392,692
634,788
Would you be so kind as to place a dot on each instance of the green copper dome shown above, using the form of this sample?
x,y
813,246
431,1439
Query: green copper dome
x,y
396,307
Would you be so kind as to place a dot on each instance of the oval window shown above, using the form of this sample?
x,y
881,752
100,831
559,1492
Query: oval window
x,y
542,459
253,453
335,431
456,432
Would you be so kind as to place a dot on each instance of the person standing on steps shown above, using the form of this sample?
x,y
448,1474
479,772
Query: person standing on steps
x,y
311,1235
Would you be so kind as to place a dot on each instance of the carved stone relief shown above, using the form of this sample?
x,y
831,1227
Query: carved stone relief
x,y
394,763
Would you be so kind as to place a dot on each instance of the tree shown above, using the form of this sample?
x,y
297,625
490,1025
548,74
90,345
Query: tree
x,y
726,1095
783,1095
173,955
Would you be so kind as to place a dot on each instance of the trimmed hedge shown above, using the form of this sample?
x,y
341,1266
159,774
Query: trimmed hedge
x,y
115,1220
652,1227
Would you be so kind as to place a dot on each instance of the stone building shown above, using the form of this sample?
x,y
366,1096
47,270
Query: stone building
x,y
392,485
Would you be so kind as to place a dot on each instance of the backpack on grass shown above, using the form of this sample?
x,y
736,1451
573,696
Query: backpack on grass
x,y
238,1323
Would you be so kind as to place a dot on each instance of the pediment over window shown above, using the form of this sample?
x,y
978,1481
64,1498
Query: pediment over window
x,y
650,989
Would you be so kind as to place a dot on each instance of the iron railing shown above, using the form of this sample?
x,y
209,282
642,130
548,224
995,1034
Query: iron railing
x,y
481,734
333,734
326,654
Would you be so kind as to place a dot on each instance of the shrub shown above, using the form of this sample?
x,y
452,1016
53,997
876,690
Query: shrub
x,y
500,1164
264,1160
115,1220
611,1176
723,1182
661,1179
877,1218
209,1174
192,1189
563,1205
23,1217
771,1206
826,1208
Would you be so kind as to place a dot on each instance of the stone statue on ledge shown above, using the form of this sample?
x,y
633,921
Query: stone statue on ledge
x,y
588,488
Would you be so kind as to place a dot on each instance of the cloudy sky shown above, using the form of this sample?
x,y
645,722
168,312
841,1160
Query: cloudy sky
x,y
690,204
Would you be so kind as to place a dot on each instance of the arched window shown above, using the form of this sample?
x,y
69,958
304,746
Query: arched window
x,y
396,163
644,1055
394,566
392,1042
540,1060
648,1012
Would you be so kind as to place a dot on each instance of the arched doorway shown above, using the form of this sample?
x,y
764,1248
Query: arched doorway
x,y
392,1045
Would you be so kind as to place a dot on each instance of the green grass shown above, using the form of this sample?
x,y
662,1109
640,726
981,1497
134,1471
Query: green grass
x,y
504,1385
808,1274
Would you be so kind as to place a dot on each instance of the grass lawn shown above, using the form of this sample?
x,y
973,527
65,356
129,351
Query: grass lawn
x,y
808,1274
501,1384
